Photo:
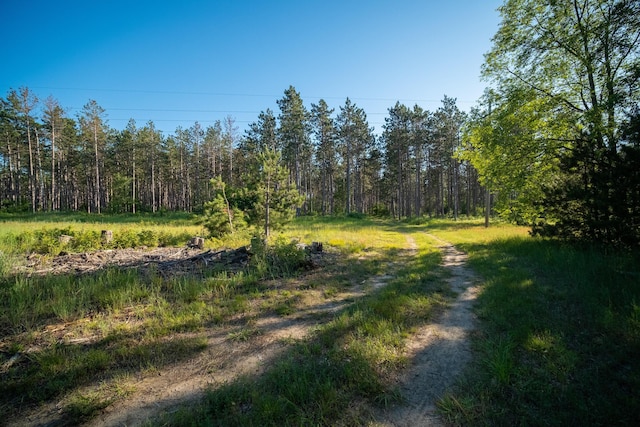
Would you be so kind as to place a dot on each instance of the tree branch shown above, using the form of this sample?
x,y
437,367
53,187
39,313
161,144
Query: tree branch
x,y
544,91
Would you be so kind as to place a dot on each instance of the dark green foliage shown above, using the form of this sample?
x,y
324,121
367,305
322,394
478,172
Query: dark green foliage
x,y
283,259
55,163
224,215
597,196
221,219
275,196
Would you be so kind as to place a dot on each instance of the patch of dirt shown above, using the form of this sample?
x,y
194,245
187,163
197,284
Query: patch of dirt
x,y
438,352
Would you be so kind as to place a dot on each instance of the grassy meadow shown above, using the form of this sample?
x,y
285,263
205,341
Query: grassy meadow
x,y
557,343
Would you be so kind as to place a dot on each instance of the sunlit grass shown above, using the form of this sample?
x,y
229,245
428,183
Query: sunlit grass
x,y
347,363
558,342
467,231
40,233
349,235
122,320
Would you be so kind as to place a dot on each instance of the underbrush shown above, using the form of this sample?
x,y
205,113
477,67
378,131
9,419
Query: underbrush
x,y
55,232
55,240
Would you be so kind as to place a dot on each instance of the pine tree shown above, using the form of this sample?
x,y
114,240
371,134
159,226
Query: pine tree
x,y
293,134
326,154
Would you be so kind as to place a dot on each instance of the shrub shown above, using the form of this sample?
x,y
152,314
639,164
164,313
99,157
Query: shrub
x,y
283,259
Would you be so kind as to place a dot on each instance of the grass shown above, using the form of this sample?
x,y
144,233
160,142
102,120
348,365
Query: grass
x,y
558,340
77,341
327,378
39,233
560,336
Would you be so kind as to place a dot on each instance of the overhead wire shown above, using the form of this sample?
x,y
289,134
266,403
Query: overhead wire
x,y
375,123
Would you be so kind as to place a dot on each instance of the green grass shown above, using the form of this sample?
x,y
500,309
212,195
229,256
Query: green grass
x,y
345,366
558,341
78,341
39,233
560,336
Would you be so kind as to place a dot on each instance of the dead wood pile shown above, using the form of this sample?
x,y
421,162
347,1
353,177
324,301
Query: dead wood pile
x,y
166,261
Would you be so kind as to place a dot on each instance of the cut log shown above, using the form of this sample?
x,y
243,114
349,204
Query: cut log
x,y
106,236
196,242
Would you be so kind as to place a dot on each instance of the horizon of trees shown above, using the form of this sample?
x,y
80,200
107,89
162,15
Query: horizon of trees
x,y
554,143
50,161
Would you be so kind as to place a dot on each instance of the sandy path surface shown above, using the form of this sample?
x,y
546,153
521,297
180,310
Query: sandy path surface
x,y
439,352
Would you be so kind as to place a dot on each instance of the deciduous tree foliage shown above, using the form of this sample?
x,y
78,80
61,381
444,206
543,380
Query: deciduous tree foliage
x,y
565,76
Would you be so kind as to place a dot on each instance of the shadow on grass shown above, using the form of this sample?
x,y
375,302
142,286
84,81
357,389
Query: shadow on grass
x,y
327,378
561,337
49,373
317,381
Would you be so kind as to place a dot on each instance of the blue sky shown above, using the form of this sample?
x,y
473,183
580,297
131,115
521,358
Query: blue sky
x,y
175,62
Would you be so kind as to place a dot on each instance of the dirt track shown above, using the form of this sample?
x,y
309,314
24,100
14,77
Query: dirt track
x,y
438,353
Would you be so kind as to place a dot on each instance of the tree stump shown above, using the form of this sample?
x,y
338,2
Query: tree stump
x,y
196,242
106,236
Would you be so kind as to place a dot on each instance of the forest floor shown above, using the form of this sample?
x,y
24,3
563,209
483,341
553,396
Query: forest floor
x,y
437,353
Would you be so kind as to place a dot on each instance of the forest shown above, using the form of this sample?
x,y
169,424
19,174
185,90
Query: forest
x,y
386,300
554,143
50,161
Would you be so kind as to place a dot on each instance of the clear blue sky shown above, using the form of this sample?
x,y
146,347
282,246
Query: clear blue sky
x,y
175,62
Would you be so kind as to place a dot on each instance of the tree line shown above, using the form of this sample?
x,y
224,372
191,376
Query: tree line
x,y
50,161
553,143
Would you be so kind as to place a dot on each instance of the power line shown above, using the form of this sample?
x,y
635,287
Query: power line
x,y
229,94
